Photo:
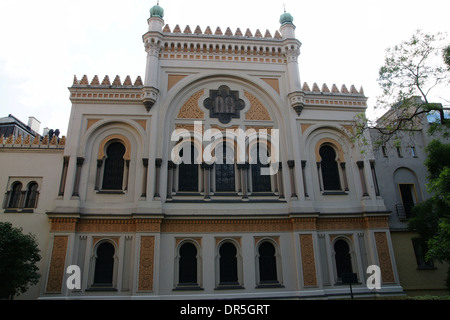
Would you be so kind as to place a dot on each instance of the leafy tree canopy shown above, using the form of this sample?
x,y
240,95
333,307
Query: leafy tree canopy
x,y
19,254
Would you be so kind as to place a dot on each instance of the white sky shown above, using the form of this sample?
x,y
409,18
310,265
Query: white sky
x,y
45,43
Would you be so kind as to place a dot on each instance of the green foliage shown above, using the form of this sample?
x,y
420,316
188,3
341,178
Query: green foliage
x,y
438,158
446,56
19,254
431,218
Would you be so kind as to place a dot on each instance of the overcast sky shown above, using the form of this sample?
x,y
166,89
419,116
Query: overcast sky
x,y
45,43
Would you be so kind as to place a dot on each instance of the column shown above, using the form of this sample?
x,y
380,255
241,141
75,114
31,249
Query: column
x,y
207,179
243,174
303,177
280,181
374,177
97,176
319,175
80,162
127,173
62,184
158,163
291,165
170,173
363,179
344,174
144,178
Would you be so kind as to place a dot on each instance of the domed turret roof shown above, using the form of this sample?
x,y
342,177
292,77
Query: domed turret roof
x,y
286,18
157,11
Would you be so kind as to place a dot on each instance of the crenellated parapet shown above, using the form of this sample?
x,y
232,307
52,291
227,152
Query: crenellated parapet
x,y
221,46
334,90
219,33
326,97
30,142
109,90
107,82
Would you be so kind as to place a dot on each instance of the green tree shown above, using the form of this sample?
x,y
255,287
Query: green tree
x,y
431,218
19,254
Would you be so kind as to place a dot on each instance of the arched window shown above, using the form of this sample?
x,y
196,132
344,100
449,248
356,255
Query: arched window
x,y
15,195
260,183
188,172
31,195
225,174
228,264
330,170
267,263
114,167
104,265
188,264
342,257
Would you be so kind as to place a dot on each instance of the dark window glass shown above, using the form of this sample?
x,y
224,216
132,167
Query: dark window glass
x,y
267,263
260,183
15,195
188,173
420,251
343,259
104,265
188,264
225,177
330,171
114,167
228,264
31,197
407,194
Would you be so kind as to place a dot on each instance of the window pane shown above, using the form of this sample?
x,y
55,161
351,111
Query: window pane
x,y
14,199
32,194
330,171
225,176
228,263
260,183
267,263
104,264
188,264
188,173
343,259
114,166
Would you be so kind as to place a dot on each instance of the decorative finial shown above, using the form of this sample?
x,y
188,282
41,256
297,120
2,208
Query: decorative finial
x,y
284,5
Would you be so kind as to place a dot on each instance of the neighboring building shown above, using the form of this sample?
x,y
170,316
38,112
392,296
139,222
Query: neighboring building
x,y
402,178
11,127
141,225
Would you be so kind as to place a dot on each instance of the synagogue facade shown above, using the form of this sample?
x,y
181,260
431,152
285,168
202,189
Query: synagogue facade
x,y
216,175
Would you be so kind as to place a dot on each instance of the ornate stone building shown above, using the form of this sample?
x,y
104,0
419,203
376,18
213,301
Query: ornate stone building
x,y
152,202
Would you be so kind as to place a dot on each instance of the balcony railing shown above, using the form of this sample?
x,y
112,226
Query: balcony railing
x,y
404,210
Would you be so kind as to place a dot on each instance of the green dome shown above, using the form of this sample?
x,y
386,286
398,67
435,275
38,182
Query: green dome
x,y
157,11
286,18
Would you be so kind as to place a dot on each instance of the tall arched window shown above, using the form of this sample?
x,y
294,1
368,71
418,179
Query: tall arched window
x,y
104,265
330,170
188,172
188,264
267,263
114,167
228,264
15,195
225,174
342,257
260,183
31,195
